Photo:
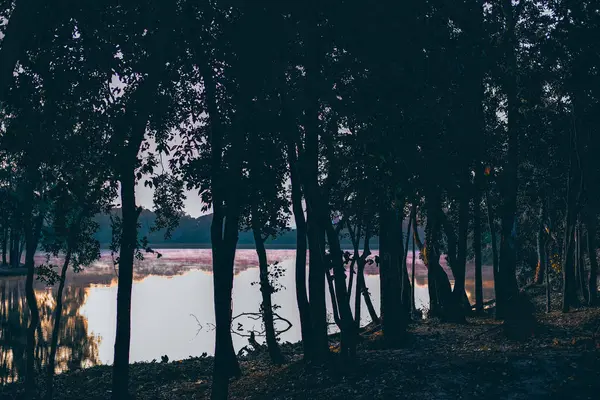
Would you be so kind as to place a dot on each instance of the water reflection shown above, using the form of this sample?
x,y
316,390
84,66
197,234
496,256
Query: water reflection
x,y
172,309
77,348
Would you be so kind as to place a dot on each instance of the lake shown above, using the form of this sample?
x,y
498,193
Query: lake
x,y
172,308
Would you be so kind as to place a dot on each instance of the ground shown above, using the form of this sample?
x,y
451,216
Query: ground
x,y
440,361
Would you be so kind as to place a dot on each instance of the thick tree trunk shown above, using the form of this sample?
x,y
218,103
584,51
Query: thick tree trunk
x,y
592,253
459,300
477,251
127,249
56,328
224,242
508,289
440,291
226,364
393,317
316,287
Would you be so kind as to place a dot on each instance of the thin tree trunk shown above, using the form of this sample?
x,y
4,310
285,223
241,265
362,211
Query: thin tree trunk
x,y
351,274
4,244
406,285
348,333
56,328
574,183
368,302
540,270
266,289
300,272
593,278
547,276
360,281
477,250
11,248
492,228
412,286
22,245
459,291
583,287
333,298
32,233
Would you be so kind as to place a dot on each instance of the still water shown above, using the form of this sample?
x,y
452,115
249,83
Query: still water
x,y
172,308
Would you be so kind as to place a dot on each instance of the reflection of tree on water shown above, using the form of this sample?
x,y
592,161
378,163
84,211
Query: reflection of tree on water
x,y
76,349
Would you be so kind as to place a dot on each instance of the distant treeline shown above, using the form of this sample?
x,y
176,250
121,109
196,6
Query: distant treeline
x,y
195,233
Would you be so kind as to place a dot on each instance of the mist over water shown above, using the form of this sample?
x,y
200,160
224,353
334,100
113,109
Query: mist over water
x,y
172,308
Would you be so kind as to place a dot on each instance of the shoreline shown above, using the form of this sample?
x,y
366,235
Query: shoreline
x,y
439,360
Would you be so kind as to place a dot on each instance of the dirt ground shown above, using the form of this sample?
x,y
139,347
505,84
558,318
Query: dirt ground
x,y
439,361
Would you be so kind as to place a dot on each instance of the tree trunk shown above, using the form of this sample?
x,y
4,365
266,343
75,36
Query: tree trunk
x,y
459,291
56,328
392,313
412,286
11,248
316,287
581,265
540,270
30,385
547,275
4,244
440,291
266,289
127,249
574,182
301,293
367,297
477,250
22,245
492,228
593,278
333,298
508,289
226,211
406,284
360,279
348,333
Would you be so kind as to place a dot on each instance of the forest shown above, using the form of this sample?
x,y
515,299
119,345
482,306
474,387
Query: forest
x,y
462,130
